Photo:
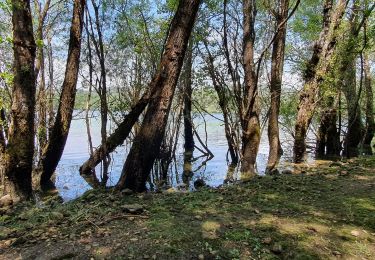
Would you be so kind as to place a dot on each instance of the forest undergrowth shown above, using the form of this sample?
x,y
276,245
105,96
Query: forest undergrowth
x,y
326,212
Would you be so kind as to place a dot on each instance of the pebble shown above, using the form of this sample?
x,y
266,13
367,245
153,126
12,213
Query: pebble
x,y
6,201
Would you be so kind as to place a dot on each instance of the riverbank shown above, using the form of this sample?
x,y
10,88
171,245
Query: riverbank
x,y
324,213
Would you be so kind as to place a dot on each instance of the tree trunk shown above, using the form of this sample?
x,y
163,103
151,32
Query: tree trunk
x,y
328,138
354,132
99,47
40,69
188,120
223,103
370,123
314,74
277,69
147,143
53,151
250,113
17,162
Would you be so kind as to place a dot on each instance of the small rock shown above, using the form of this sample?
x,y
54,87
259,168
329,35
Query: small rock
x,y
287,172
146,257
344,173
57,215
6,201
335,164
267,240
336,253
197,217
131,218
134,239
277,249
201,257
257,211
355,233
66,187
133,208
181,186
126,192
170,190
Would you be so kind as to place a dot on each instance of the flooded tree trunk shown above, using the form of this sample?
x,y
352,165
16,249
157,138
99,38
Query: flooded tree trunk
x,y
17,161
147,143
370,123
118,136
328,138
277,69
53,151
250,113
187,83
354,131
314,74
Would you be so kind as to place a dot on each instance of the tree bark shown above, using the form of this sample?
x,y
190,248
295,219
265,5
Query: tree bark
x,y
147,143
314,74
187,83
328,138
355,129
99,47
53,151
17,161
370,123
250,113
277,69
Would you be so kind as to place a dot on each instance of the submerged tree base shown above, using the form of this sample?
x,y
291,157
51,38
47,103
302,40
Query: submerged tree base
x,y
327,212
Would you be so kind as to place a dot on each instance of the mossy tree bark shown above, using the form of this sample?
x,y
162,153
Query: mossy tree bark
x,y
17,160
317,67
370,122
146,145
53,151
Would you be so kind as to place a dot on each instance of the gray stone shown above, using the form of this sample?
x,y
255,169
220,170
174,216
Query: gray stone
x,y
133,208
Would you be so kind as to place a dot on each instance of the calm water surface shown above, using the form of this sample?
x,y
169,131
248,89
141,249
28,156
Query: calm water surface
x,y
70,185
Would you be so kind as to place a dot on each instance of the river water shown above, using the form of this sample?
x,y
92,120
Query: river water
x,y
214,172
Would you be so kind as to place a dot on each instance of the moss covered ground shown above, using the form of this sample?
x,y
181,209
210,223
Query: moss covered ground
x,y
325,213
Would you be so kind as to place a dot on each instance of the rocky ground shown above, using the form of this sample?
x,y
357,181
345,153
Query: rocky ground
x,y
322,213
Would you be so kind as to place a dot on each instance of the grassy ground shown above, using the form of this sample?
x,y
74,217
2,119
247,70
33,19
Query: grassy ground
x,y
326,213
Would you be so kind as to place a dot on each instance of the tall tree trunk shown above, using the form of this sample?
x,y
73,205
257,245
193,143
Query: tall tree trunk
x,y
40,69
99,47
314,74
147,143
277,69
250,113
17,162
53,151
370,123
354,131
187,84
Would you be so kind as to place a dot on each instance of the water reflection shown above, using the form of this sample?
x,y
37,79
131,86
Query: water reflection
x,y
183,168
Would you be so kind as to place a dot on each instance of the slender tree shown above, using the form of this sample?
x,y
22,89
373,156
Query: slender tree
x,y
16,162
370,122
277,68
250,112
59,134
146,145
